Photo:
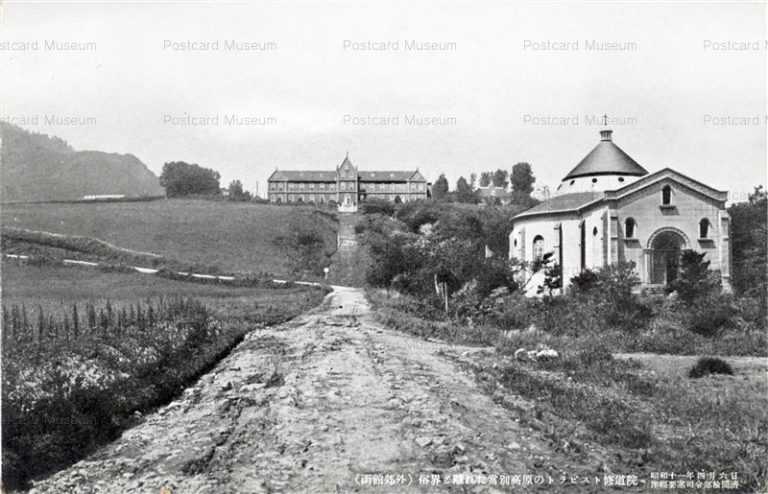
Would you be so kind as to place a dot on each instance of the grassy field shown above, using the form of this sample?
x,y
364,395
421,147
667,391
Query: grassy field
x,y
57,288
229,235
66,391
642,408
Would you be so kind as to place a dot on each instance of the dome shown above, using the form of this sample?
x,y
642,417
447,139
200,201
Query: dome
x,y
606,159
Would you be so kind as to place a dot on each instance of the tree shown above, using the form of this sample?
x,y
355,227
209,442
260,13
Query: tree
x,y
522,178
485,179
748,234
236,192
464,191
473,181
183,179
440,188
499,178
695,279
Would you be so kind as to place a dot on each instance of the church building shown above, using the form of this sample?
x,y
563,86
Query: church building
x,y
609,209
345,186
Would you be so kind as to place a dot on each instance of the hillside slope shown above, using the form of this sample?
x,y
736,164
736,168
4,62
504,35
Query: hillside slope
x,y
36,167
234,236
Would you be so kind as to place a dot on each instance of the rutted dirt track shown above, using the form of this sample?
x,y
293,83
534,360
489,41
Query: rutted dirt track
x,y
313,406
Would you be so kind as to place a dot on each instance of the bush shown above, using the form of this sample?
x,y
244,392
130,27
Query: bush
x,y
709,315
584,281
377,206
710,365
512,312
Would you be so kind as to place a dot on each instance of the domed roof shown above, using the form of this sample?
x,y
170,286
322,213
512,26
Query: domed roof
x,y
606,159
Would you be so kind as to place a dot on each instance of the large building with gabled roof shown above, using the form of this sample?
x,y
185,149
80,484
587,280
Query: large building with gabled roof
x,y
608,209
345,186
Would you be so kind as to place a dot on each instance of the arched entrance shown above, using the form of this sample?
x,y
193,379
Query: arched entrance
x,y
665,249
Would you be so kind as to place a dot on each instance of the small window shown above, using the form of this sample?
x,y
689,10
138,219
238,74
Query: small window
x,y
629,228
573,182
621,179
666,195
538,247
594,180
514,243
594,232
704,228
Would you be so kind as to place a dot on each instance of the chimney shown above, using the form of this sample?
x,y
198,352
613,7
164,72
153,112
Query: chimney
x,y
605,135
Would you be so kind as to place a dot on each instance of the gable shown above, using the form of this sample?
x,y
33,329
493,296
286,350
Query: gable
x,y
672,178
418,177
683,199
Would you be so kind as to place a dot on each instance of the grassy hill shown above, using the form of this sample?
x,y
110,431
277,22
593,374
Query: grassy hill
x,y
229,235
36,167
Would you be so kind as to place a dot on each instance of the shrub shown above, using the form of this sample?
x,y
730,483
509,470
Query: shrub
x,y
574,316
584,281
377,206
709,315
710,365
495,273
513,311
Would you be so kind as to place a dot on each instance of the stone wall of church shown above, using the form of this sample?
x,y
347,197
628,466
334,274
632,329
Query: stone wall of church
x,y
683,215
526,231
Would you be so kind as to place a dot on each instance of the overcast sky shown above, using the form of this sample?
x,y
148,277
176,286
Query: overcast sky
x,y
684,84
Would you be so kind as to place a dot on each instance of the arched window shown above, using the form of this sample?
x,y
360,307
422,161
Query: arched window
x,y
538,247
704,228
629,228
666,195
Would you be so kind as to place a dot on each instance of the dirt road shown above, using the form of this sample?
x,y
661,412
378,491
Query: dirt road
x,y
329,402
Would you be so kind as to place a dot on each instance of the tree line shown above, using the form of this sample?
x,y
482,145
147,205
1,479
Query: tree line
x,y
519,183
182,179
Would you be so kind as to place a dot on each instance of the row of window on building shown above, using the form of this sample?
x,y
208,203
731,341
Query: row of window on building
x,y
346,186
630,231
630,228
323,198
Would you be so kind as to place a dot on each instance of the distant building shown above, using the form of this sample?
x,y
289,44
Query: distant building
x,y
494,195
609,209
346,186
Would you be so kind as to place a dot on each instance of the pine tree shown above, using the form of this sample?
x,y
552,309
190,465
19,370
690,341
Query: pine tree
x,y
40,324
67,327
75,322
24,319
6,323
91,316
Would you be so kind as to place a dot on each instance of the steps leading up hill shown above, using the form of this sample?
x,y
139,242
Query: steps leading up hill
x,y
348,263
